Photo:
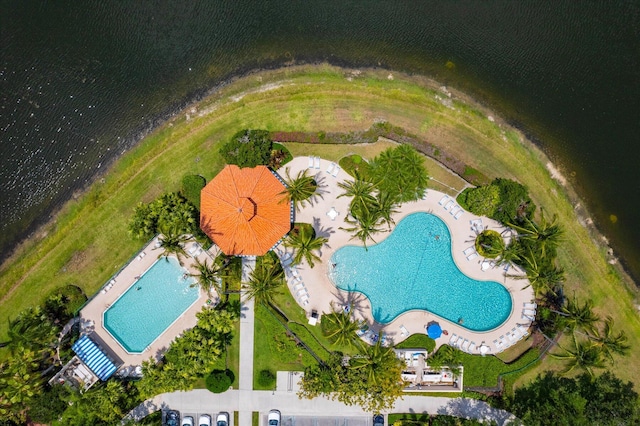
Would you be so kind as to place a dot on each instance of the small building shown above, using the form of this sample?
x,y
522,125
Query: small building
x,y
420,377
89,365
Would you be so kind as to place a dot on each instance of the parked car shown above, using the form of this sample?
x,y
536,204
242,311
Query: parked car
x,y
187,421
172,418
204,420
222,419
274,418
378,420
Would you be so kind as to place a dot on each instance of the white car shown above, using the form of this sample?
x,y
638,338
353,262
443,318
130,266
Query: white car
x,y
204,420
187,421
222,419
274,418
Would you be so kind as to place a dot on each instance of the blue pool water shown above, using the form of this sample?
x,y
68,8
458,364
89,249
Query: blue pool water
x,y
413,269
150,305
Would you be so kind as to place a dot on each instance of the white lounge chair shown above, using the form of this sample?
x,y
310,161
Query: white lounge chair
x,y
459,341
443,200
455,209
528,318
472,347
452,340
331,166
336,170
527,305
310,166
403,331
472,256
457,215
465,345
449,204
524,331
529,312
316,162
468,250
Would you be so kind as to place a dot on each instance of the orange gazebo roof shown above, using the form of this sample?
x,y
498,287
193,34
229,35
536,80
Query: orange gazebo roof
x,y
243,210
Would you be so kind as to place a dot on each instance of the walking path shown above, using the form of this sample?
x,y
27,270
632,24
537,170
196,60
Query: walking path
x,y
247,317
246,401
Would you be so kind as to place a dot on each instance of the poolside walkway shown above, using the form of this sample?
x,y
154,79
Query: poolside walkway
x,y
327,214
93,312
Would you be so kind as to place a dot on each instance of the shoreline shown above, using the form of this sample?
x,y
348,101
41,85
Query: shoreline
x,y
88,240
213,94
210,96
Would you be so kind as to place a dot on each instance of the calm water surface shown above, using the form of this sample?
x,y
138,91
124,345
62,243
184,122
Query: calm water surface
x,y
81,81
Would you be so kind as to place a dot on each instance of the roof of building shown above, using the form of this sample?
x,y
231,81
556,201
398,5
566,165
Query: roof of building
x,y
244,210
94,358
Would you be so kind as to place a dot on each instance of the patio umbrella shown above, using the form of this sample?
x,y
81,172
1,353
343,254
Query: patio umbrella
x,y
434,330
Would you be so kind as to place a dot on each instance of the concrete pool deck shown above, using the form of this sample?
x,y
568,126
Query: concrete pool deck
x,y
327,214
92,313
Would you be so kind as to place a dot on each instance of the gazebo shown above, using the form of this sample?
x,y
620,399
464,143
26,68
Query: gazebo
x,y
244,210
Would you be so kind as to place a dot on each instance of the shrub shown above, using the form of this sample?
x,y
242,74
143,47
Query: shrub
x,y
169,212
248,148
191,187
504,200
267,379
489,244
280,156
355,164
219,380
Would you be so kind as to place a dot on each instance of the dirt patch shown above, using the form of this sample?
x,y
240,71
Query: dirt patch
x,y
80,260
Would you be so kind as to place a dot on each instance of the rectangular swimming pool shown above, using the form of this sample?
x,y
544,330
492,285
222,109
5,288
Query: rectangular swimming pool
x,y
152,303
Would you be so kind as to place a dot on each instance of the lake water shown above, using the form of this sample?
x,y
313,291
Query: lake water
x,y
81,81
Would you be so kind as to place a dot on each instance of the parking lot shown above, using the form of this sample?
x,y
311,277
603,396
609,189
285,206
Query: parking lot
x,y
322,420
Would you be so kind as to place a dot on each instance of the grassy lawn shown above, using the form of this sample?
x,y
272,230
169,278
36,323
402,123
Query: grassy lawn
x,y
88,240
274,350
418,341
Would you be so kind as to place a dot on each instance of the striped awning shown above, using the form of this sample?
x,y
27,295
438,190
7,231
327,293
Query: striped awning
x,y
91,355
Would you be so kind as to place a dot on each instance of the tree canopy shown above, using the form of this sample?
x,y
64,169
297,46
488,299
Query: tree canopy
x,y
553,400
169,213
248,148
504,200
400,172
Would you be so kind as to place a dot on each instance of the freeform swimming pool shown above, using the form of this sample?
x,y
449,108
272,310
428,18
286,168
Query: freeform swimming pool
x,y
150,305
413,269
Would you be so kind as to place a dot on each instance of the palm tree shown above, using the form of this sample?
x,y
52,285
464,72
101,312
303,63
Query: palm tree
x,y
546,235
171,243
209,277
361,192
305,244
300,188
543,278
578,316
609,342
510,255
386,207
446,356
585,355
378,363
340,329
364,226
265,281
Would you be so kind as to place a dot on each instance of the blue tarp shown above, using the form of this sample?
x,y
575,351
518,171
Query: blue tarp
x,y
91,355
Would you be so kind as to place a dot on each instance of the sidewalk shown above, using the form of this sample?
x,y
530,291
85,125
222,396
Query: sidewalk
x,y
247,317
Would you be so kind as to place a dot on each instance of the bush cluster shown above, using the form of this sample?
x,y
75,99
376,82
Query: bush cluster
x,y
191,187
248,148
504,200
219,380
